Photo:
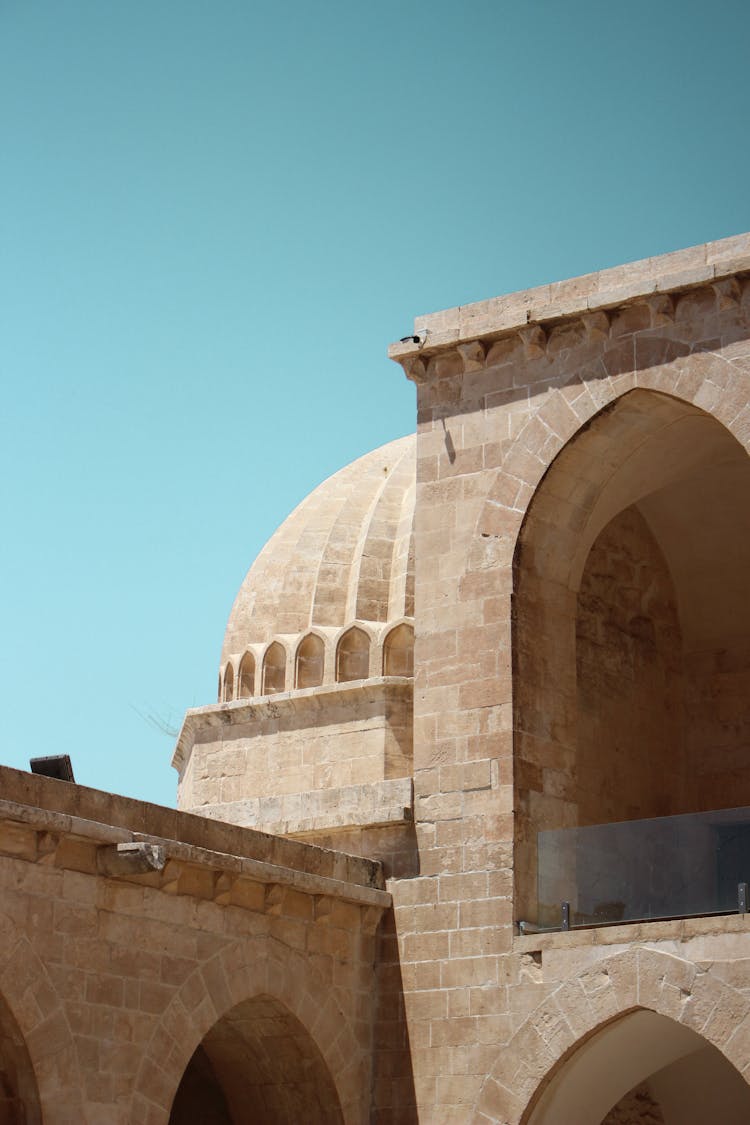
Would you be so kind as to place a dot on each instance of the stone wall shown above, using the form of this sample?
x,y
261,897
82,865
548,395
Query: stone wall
x,y
639,1107
133,934
718,725
504,387
582,473
630,752
310,760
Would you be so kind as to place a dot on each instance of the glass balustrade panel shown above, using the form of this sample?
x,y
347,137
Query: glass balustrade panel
x,y
636,870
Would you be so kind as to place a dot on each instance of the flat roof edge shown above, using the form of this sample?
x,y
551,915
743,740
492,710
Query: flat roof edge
x,y
680,269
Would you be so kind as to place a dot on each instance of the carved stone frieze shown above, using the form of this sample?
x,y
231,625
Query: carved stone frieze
x,y
536,341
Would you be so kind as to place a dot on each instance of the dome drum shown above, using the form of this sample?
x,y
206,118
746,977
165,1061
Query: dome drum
x,y
316,658
313,727
245,761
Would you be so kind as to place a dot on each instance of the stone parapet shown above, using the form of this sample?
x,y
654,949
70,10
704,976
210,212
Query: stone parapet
x,y
249,761
303,702
60,809
376,805
71,842
686,932
575,297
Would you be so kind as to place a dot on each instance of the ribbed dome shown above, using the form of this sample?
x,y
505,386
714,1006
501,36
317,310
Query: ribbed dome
x,y
345,553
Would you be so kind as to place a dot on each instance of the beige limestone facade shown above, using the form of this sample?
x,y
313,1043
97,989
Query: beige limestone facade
x,y
466,836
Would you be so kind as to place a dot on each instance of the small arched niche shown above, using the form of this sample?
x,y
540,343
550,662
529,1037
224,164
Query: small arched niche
x,y
353,656
643,1069
398,652
228,689
257,1064
274,669
310,662
246,679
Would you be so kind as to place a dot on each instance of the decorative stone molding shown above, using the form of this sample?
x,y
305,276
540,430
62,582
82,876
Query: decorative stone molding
x,y
131,858
714,275
61,840
376,631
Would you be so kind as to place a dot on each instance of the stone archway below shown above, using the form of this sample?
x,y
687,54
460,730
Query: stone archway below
x,y
643,1069
19,1095
257,1065
579,1052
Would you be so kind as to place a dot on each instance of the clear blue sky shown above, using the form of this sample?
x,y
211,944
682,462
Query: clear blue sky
x,y
214,217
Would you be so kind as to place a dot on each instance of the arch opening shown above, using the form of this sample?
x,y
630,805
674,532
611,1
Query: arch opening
x,y
310,662
19,1095
642,1069
274,669
631,651
398,652
258,1065
228,691
353,656
246,685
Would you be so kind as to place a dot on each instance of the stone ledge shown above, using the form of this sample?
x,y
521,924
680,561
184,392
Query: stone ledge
x,y
215,716
118,818
106,836
682,269
373,805
631,933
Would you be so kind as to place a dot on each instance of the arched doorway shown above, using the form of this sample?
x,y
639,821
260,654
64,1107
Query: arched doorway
x,y
19,1097
643,1069
257,1066
631,626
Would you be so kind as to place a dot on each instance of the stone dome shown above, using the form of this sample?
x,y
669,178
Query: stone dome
x,y
345,554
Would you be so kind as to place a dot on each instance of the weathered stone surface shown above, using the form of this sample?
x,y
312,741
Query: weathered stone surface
x,y
531,618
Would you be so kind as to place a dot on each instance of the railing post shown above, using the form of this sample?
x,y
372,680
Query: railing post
x,y
565,915
742,898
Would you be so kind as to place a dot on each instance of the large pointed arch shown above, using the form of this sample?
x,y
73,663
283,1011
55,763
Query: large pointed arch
x,y
716,385
257,1063
19,1093
38,1057
588,1003
238,982
646,1067
631,615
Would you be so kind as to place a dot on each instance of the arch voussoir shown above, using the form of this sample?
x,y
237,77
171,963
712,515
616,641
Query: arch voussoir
x,y
587,1001
238,973
702,379
35,1005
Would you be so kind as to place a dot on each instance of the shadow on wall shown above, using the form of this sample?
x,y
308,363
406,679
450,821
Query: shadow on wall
x,y
19,1096
394,1098
257,1064
632,618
